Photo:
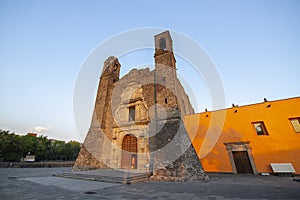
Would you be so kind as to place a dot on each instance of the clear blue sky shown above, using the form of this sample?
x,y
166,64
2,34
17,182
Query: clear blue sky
x,y
254,44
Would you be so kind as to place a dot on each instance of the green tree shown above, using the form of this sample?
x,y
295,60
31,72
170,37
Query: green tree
x,y
42,148
72,150
14,147
29,144
10,146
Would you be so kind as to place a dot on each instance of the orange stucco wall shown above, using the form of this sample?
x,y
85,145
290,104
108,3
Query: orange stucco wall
x,y
282,145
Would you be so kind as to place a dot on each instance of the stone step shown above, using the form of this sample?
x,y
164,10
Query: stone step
x,y
125,179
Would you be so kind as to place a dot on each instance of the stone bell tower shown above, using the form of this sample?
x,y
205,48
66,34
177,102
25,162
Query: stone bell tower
x,y
164,50
165,73
109,76
97,145
173,155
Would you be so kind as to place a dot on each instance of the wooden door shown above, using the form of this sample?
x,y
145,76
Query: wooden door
x,y
129,152
242,162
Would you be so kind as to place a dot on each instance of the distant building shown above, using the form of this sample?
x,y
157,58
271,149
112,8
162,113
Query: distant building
x,y
252,138
32,134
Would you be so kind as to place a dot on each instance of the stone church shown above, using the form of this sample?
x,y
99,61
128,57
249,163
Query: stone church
x,y
137,123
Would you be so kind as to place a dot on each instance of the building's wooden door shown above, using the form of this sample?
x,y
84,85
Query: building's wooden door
x,y
242,162
129,152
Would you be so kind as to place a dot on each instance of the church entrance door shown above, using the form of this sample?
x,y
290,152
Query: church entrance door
x,y
129,152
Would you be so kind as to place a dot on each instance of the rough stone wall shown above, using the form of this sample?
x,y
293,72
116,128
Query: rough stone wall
x,y
174,157
102,146
162,141
129,92
97,145
92,152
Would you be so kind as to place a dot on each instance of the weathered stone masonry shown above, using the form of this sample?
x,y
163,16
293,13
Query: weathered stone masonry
x,y
137,121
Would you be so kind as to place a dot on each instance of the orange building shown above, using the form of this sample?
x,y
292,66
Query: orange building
x,y
247,139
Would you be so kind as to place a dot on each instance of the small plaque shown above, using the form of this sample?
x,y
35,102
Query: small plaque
x,y
283,168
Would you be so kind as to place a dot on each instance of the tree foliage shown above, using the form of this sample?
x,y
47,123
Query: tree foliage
x,y
14,147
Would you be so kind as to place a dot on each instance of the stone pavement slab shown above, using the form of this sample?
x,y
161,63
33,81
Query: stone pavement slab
x,y
109,175
69,184
112,172
38,183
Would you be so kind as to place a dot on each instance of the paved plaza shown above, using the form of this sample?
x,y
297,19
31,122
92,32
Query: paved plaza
x,y
39,183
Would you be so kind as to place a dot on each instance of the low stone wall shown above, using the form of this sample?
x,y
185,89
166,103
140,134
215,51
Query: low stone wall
x,y
36,164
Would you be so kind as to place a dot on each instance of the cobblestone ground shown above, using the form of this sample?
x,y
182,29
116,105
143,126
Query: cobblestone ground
x,y
38,183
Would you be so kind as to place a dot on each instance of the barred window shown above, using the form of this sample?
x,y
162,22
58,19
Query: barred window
x,y
296,124
260,128
131,117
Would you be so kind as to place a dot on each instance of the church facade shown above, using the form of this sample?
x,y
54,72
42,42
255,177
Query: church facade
x,y
137,122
